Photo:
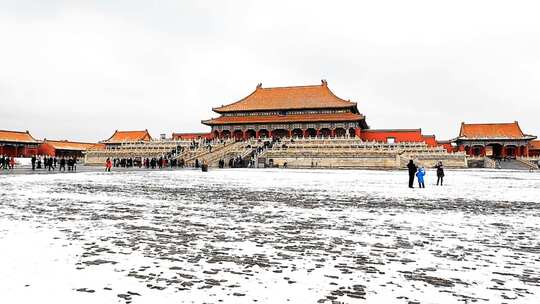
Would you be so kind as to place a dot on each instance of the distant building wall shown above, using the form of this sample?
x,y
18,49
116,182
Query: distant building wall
x,y
414,135
191,136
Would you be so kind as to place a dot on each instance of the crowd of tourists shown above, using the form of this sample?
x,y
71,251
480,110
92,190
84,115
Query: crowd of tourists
x,y
7,163
420,172
51,163
148,163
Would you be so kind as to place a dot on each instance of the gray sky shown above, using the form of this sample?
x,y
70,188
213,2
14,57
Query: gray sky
x,y
82,69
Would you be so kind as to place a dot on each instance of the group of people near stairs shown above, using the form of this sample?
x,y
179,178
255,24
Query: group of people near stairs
x,y
420,173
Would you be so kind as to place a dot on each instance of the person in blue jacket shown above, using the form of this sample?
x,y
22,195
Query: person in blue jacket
x,y
420,176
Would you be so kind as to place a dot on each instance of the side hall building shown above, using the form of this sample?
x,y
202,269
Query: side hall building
x,y
18,144
496,140
120,137
296,111
392,136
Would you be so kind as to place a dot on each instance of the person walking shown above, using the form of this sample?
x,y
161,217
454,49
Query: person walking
x,y
108,165
412,171
50,163
33,163
12,163
62,164
440,172
420,175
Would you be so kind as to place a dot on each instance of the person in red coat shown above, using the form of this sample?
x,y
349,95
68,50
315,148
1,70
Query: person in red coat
x,y
108,165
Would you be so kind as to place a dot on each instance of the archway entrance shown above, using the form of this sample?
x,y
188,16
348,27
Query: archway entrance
x,y
494,151
511,151
326,132
340,132
311,132
297,133
352,133
238,134
477,151
280,133
250,133
226,134
263,133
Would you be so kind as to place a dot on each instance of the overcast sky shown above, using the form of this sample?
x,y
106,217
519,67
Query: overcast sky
x,y
81,69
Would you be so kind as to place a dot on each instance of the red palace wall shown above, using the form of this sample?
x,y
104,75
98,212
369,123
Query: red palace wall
x,y
430,140
46,149
11,151
400,136
448,146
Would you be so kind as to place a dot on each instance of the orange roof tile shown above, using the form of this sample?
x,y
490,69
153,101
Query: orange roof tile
x,y
69,145
122,136
224,120
16,137
299,97
493,130
534,145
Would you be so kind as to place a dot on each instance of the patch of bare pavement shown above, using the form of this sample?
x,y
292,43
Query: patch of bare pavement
x,y
277,236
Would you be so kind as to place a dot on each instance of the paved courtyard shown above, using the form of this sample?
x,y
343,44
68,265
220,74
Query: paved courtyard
x,y
269,236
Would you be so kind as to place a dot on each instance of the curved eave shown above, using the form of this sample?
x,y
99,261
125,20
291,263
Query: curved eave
x,y
284,119
526,137
352,105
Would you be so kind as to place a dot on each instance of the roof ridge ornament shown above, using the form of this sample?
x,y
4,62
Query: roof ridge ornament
x,y
259,85
324,82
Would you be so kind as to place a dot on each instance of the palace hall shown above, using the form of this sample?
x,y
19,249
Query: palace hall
x,y
496,140
296,111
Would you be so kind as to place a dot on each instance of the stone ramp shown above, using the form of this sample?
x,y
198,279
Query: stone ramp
x,y
513,164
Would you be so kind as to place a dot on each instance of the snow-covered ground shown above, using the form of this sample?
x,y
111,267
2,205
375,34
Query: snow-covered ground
x,y
269,236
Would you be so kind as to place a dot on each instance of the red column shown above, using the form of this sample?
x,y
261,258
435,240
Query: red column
x,y
257,134
290,133
333,133
503,151
318,132
527,151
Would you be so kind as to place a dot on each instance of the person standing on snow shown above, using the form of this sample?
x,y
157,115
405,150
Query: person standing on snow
x,y
440,172
108,165
412,170
420,175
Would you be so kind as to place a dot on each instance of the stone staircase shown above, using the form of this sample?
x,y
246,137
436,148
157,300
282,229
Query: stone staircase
x,y
515,164
219,151
355,153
